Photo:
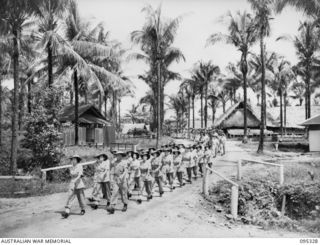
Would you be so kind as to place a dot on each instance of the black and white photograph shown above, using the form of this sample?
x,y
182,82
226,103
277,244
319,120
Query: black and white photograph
x,y
159,119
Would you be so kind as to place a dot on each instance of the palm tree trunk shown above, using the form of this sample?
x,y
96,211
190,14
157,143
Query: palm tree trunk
x,y
308,91
100,102
244,70
306,105
29,98
263,95
76,107
189,116
21,104
119,113
0,113
206,106
159,105
105,105
281,114
14,129
193,112
213,111
50,76
114,109
201,110
285,111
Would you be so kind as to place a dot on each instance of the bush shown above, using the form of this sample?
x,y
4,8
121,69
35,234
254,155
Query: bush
x,y
42,137
258,203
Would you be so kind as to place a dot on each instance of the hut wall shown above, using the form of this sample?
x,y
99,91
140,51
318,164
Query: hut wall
x,y
314,138
109,135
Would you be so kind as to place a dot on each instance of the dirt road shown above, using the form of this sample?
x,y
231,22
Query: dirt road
x,y
182,213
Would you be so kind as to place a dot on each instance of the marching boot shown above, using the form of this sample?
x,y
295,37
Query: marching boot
x,y
139,201
108,204
94,206
129,195
66,213
110,210
83,212
161,193
125,207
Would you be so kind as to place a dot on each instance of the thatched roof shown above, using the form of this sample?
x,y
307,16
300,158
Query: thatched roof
x,y
312,121
88,114
233,117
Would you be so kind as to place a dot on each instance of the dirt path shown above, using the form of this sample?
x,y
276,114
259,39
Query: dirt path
x,y
182,213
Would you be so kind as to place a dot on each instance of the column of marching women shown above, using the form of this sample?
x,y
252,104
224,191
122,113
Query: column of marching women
x,y
145,173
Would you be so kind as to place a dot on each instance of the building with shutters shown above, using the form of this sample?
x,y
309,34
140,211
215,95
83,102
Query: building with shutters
x,y
94,128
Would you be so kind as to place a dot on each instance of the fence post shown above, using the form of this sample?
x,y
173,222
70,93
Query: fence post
x,y
281,174
234,201
239,173
205,181
44,176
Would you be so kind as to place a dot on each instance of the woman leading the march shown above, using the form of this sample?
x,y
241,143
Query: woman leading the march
x,y
156,170
76,187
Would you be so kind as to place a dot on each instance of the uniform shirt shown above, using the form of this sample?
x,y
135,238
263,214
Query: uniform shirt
x,y
135,168
177,163
120,170
194,157
186,159
76,180
145,168
156,166
103,171
200,156
167,162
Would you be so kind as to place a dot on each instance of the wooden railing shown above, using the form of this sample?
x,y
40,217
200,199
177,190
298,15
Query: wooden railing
x,y
234,189
123,146
235,186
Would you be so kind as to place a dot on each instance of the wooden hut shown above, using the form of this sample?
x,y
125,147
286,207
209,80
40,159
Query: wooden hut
x,y
313,125
232,120
94,129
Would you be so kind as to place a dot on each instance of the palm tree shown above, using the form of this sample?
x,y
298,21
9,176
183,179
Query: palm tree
x,y
242,34
155,40
262,11
50,14
12,23
179,104
306,44
298,89
310,7
206,72
280,75
82,55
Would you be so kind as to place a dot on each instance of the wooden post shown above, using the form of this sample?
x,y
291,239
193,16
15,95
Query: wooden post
x,y
283,206
281,174
205,181
44,176
239,173
234,201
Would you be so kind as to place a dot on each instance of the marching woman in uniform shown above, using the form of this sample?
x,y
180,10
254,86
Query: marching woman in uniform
x,y
120,187
146,179
194,160
135,175
76,186
200,159
156,170
103,180
187,161
168,169
177,163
